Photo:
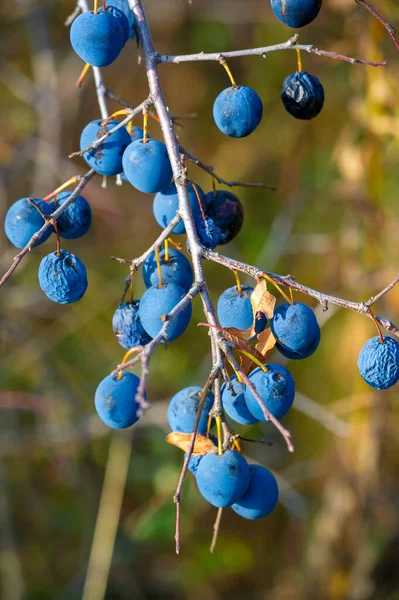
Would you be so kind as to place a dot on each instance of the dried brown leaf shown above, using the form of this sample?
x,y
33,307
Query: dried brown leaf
x,y
262,300
233,336
203,445
266,343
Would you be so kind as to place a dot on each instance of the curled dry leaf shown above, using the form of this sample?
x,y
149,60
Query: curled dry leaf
x,y
262,300
203,445
266,343
233,336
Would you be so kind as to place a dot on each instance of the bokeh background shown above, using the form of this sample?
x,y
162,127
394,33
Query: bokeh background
x,y
333,223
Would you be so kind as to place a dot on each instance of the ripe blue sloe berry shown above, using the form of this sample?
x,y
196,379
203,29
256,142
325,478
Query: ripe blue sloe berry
x,y
136,134
296,330
115,400
209,234
156,302
183,408
235,407
75,221
62,278
276,388
107,158
166,204
261,497
123,5
98,38
234,308
227,212
127,326
302,95
379,363
122,18
177,269
147,166
296,13
237,111
23,220
223,480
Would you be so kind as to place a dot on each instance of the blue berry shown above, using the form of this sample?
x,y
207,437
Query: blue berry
x,y
296,13
122,18
115,400
156,302
23,220
261,497
123,5
183,407
234,308
276,388
107,158
302,95
62,278
379,363
209,234
166,204
227,212
177,269
223,480
237,111
147,166
235,407
136,134
296,330
127,326
98,38
194,462
75,221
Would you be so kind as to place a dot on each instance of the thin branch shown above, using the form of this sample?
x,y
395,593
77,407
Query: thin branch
x,y
288,281
54,216
263,51
390,29
378,296
216,529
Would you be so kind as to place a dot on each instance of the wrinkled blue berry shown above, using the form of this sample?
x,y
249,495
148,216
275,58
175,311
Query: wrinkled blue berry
x,y
127,326
302,95
379,363
237,111
183,408
227,213
62,278
275,387
209,234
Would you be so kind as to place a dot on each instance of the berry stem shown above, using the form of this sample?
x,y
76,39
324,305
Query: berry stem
x,y
95,9
238,280
131,284
199,200
125,359
166,250
145,125
382,341
83,74
55,225
292,296
175,244
103,4
216,529
229,73
130,128
214,187
276,285
218,420
158,261
299,59
253,358
118,113
62,187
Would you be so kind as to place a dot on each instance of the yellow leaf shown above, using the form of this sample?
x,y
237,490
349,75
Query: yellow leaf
x,y
262,300
203,445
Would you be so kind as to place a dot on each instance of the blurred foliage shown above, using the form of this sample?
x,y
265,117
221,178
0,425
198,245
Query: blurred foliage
x,y
332,223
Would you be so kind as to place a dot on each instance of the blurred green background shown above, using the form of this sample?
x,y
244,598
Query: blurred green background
x,y
333,223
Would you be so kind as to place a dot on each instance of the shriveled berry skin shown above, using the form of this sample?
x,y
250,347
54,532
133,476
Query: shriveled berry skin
x,y
147,166
156,302
127,326
121,16
296,330
276,388
107,158
234,308
166,204
223,480
175,270
183,407
62,278
296,13
302,95
235,407
75,221
379,363
227,212
97,39
261,497
23,220
123,5
237,111
209,234
115,400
